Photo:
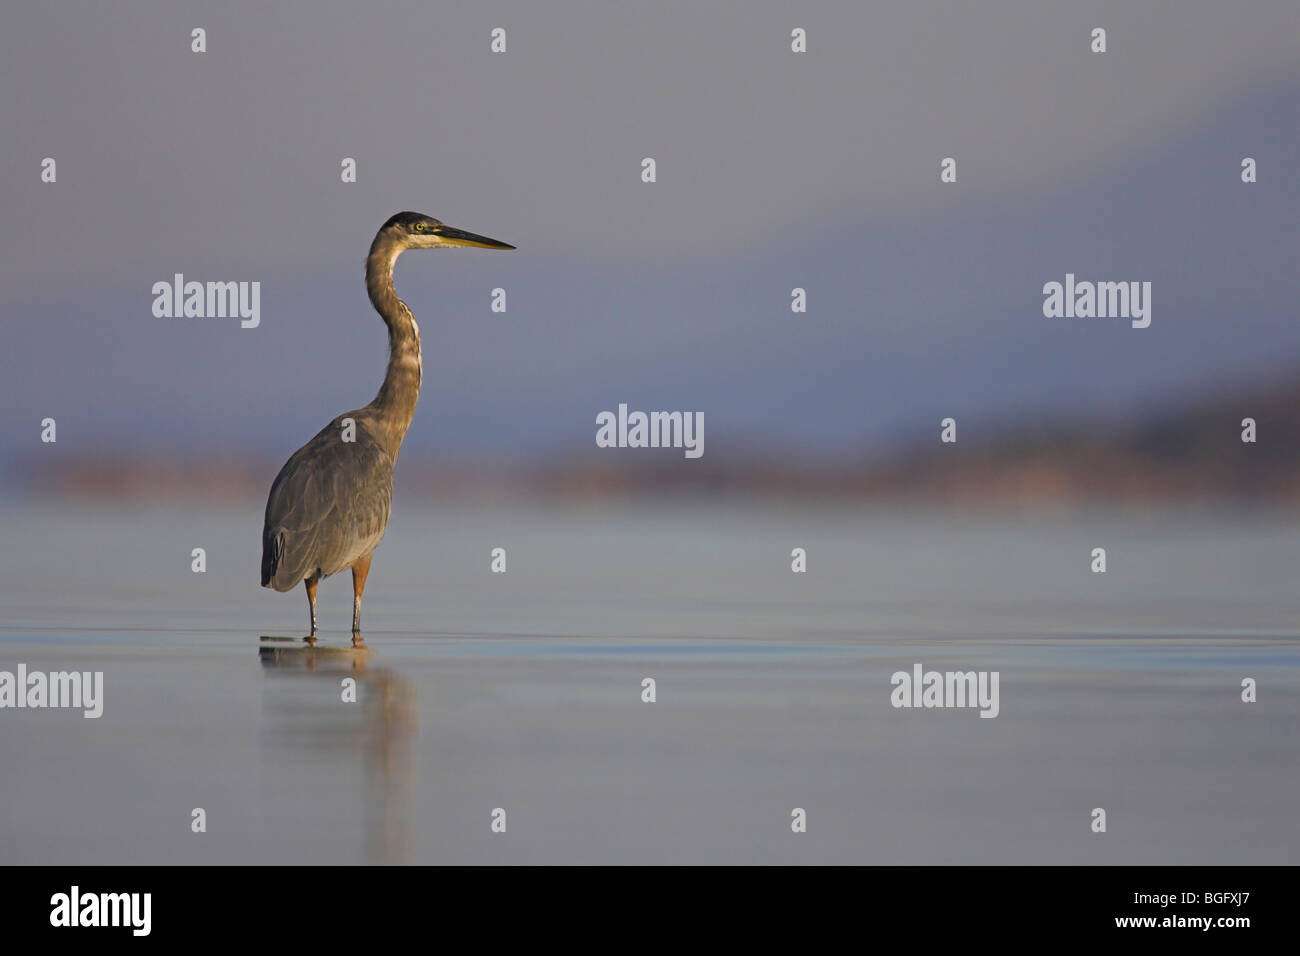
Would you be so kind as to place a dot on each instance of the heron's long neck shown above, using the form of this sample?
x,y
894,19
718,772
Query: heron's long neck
x,y
396,400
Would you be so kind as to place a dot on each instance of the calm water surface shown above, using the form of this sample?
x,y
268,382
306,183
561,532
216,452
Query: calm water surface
x,y
522,690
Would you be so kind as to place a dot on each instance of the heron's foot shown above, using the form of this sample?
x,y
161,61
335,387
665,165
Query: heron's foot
x,y
358,640
310,639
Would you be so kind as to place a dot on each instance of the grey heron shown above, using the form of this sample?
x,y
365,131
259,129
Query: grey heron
x,y
330,503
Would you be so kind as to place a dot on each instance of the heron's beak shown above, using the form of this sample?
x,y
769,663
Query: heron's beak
x,y
459,237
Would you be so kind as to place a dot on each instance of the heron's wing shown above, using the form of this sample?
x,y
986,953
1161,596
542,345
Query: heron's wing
x,y
328,506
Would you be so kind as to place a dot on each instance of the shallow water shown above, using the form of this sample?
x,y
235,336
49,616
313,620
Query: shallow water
x,y
522,690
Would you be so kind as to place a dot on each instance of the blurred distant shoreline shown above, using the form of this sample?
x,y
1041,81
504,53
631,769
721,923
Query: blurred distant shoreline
x,y
1194,453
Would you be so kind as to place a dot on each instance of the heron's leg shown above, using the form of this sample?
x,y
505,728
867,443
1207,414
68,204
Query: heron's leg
x,y
359,572
311,601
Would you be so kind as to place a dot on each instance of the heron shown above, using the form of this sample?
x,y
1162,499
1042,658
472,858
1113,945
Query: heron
x,y
329,505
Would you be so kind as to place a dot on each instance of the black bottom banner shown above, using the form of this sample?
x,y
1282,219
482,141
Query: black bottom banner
x,y
333,905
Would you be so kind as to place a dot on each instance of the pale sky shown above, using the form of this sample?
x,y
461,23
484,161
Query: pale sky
x,y
774,169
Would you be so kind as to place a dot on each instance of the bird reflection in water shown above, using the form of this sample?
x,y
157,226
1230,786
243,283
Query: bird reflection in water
x,y
379,729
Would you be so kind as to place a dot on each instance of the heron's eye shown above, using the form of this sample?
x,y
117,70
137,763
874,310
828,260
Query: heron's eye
x,y
419,227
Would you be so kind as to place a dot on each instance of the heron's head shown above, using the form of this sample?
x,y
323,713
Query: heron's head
x,y
414,230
